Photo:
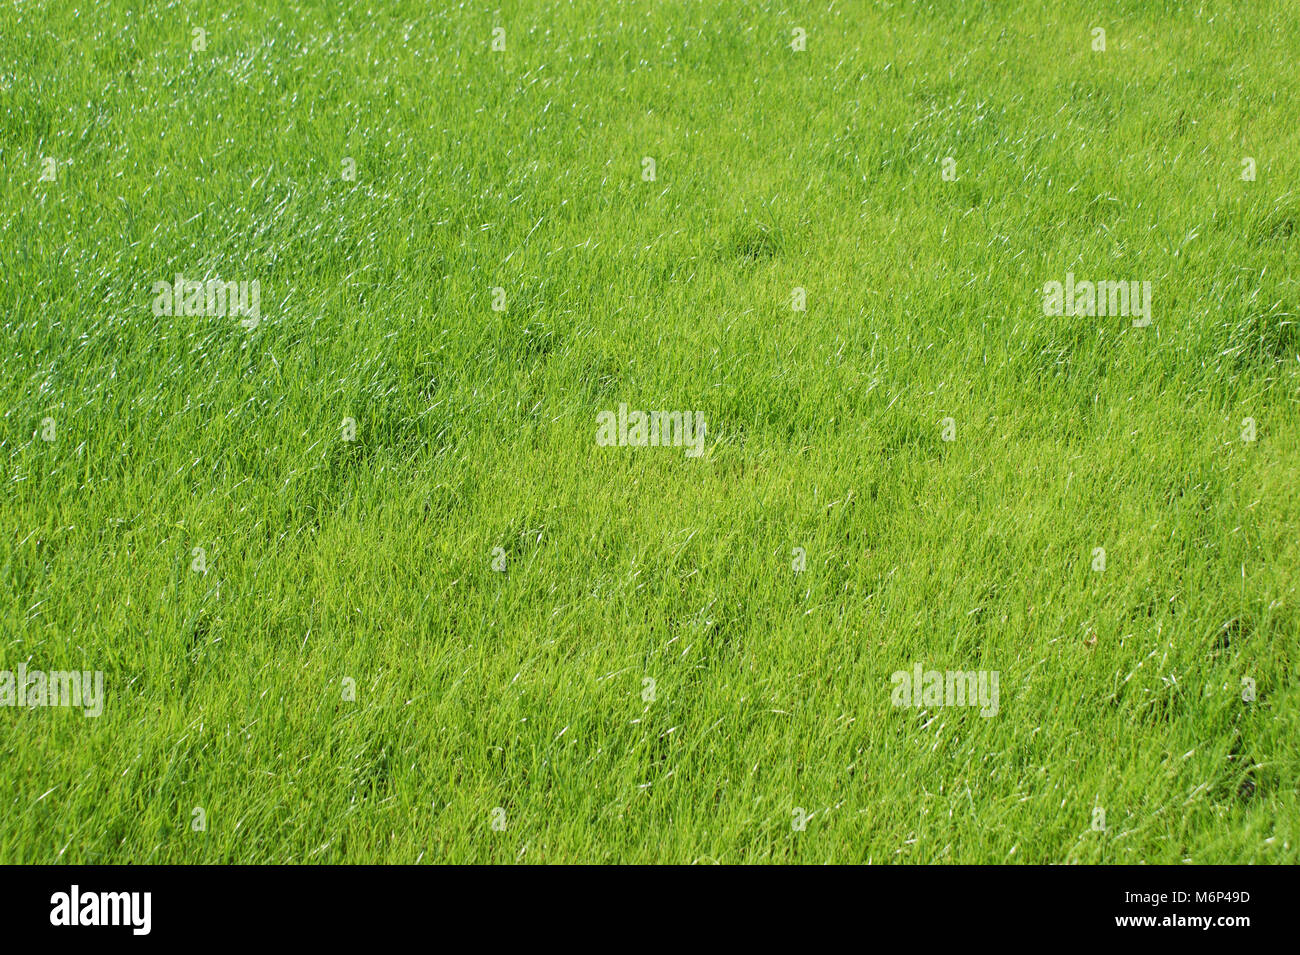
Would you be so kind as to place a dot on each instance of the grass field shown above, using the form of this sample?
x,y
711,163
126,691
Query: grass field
x,y
279,540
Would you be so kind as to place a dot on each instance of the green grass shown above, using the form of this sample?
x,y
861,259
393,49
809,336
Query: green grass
x,y
371,560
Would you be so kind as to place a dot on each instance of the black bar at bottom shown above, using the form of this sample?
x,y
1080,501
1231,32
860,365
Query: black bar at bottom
x,y
342,905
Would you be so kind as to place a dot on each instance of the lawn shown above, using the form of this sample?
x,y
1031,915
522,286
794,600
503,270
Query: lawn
x,y
366,575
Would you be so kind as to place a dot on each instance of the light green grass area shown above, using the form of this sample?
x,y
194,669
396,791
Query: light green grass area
x,y
334,563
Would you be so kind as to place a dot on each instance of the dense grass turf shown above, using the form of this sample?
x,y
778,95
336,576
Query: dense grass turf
x,y
332,562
